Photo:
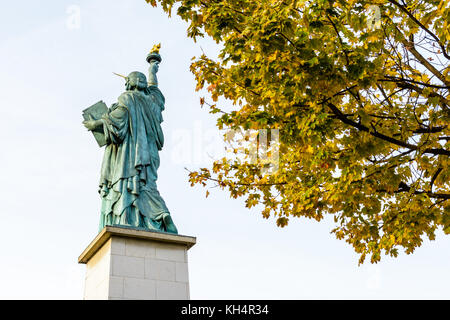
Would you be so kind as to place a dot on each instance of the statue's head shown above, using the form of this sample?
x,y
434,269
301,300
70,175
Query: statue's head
x,y
136,80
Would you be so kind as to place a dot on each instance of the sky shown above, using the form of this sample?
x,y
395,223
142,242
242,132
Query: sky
x,y
56,59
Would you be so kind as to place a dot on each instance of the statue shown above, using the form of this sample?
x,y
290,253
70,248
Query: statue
x,y
131,131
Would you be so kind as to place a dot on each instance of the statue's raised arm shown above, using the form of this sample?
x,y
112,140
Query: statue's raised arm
x,y
154,59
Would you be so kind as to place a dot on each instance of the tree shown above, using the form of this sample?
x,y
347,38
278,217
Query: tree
x,y
359,92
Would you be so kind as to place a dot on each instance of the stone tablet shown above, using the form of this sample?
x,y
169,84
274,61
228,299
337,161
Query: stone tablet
x,y
95,112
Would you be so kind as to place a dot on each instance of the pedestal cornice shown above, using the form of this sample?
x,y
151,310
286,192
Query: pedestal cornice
x,y
122,231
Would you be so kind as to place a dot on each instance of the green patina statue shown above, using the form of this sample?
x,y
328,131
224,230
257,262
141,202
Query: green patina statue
x,y
131,131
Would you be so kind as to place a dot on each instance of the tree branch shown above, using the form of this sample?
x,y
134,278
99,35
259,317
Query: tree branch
x,y
411,16
395,79
340,40
376,134
409,45
434,178
406,188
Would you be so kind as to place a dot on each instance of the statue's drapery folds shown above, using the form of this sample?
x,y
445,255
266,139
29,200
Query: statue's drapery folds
x,y
132,128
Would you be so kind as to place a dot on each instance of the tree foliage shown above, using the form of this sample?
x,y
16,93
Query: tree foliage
x,y
359,92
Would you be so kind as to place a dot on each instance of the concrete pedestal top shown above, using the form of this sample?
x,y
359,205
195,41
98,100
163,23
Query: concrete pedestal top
x,y
129,263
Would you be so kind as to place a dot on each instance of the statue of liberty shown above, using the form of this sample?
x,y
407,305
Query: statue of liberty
x,y
131,130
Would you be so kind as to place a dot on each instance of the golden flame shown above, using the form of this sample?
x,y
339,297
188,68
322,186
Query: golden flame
x,y
156,48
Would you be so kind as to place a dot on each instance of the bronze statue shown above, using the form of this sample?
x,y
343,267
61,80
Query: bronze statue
x,y
131,131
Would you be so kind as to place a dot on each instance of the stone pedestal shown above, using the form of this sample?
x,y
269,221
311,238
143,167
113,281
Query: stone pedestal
x,y
127,263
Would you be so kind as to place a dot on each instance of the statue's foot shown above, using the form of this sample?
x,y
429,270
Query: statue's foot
x,y
168,222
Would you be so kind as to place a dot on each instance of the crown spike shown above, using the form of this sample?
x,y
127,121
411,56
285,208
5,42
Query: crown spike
x,y
117,74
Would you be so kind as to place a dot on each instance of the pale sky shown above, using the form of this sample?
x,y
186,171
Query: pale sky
x,y
54,63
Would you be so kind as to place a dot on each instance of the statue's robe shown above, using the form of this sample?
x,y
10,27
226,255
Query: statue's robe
x,y
132,128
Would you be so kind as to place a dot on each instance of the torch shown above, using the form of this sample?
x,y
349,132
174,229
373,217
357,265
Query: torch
x,y
154,59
